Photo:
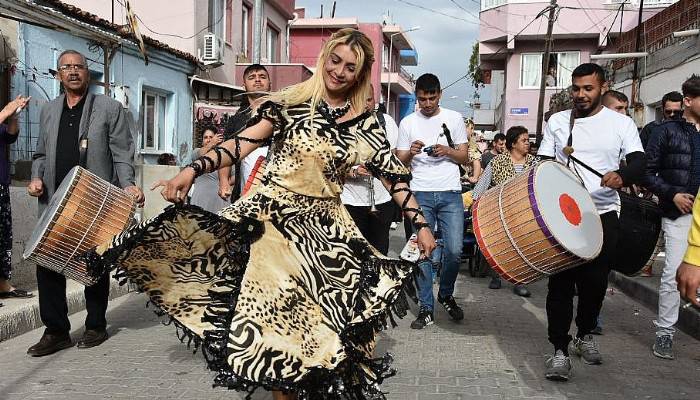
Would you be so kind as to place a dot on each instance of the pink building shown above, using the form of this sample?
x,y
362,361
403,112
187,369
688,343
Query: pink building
x,y
511,46
309,34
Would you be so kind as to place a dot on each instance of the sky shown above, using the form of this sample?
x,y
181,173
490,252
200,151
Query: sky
x,y
443,42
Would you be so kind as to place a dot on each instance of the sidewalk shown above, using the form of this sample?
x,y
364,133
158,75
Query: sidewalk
x,y
19,316
646,291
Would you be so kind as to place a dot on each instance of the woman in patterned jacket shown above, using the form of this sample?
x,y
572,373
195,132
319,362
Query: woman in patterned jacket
x,y
281,290
502,168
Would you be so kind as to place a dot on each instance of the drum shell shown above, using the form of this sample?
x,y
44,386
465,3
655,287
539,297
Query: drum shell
x,y
91,212
640,227
520,214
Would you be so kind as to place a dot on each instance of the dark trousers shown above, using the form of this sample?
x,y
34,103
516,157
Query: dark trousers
x,y
590,280
53,306
5,233
374,226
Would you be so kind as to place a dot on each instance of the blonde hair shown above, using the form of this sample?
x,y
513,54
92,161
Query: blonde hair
x,y
315,88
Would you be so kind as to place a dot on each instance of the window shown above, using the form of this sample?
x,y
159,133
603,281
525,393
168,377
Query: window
x,y
245,29
560,66
154,110
217,20
273,44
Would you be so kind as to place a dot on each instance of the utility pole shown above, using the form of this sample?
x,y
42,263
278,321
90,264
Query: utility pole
x,y
545,69
257,31
635,72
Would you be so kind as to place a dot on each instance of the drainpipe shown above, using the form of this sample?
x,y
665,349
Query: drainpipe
x,y
289,28
257,30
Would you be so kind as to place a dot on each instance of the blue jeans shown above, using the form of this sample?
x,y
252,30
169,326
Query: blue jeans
x,y
445,209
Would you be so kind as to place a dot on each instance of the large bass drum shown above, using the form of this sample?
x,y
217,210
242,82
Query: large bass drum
x,y
538,223
85,211
640,226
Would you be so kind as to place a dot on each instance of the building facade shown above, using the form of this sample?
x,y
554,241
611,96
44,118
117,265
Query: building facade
x,y
392,48
670,60
511,41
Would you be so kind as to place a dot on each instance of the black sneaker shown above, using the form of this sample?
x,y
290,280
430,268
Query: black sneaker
x,y
425,318
451,307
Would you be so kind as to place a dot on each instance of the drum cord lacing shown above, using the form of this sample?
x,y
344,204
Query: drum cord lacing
x,y
510,236
82,239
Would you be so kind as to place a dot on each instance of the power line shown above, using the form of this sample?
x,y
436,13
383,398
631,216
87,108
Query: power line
x,y
436,12
541,13
477,17
208,27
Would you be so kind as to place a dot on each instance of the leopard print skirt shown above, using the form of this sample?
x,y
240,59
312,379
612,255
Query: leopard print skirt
x,y
280,290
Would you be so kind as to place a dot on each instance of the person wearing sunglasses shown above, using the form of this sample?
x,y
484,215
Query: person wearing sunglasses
x,y
672,107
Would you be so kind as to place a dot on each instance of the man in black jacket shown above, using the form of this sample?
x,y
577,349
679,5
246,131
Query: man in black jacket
x,y
672,108
673,174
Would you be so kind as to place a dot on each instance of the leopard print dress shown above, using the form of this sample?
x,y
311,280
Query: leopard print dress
x,y
280,290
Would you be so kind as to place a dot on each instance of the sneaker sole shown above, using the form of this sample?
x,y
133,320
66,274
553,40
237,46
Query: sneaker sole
x,y
557,377
587,362
662,356
417,328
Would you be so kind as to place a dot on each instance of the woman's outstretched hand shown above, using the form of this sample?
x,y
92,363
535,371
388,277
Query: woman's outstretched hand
x,y
426,242
175,190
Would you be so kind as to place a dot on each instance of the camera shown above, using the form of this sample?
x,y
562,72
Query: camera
x,y
428,150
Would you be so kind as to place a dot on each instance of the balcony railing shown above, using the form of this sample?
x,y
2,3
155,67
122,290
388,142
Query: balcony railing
x,y
406,75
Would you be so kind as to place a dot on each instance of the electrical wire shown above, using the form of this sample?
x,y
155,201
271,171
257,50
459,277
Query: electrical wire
x,y
208,27
437,12
540,14
477,17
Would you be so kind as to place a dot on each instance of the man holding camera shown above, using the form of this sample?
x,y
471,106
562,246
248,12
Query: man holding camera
x,y
433,143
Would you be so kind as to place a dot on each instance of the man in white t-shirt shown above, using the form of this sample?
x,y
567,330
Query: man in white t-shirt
x,y
374,225
433,142
599,136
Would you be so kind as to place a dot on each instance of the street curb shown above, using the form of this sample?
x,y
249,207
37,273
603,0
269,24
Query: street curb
x,y
26,317
645,290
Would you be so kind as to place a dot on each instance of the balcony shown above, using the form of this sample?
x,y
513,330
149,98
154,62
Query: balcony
x,y
401,81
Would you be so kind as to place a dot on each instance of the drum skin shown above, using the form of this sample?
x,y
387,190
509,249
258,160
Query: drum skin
x,y
640,226
531,239
85,212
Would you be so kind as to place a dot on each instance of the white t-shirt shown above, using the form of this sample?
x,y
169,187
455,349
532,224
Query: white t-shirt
x,y
356,190
599,141
248,163
432,174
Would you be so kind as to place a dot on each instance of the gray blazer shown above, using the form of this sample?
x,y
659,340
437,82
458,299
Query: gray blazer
x,y
110,153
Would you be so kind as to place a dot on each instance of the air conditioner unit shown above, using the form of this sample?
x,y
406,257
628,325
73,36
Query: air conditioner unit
x,y
212,54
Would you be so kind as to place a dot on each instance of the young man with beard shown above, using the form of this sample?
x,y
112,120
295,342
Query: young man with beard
x,y
672,108
673,174
599,136
256,81
65,121
498,146
424,145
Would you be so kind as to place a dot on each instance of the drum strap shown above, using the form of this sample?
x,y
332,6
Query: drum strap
x,y
451,143
83,142
570,139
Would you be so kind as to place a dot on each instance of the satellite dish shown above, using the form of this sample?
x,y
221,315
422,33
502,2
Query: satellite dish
x,y
133,24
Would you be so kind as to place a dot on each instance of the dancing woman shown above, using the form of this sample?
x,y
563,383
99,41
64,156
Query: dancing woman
x,y
281,290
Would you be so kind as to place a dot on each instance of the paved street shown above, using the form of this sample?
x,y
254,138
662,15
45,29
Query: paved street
x,y
496,353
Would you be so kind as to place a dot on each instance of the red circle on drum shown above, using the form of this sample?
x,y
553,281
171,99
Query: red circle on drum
x,y
570,209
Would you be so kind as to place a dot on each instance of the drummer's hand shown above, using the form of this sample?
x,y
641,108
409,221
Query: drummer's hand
x,y
688,279
416,147
225,190
612,180
684,202
426,242
175,190
137,194
36,187
361,170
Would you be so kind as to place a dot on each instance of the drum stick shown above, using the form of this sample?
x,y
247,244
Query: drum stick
x,y
568,150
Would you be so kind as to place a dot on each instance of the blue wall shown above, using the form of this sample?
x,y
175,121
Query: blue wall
x,y
407,103
167,74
